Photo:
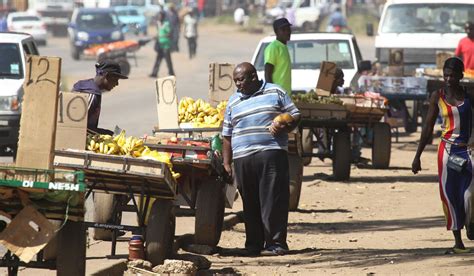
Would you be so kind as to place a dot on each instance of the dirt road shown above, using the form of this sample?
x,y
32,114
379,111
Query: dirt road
x,y
380,222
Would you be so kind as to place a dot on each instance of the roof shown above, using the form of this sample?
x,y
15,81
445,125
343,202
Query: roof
x,y
28,13
95,10
11,37
313,36
389,2
125,8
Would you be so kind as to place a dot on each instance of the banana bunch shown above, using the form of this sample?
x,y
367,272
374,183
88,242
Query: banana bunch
x,y
129,146
200,112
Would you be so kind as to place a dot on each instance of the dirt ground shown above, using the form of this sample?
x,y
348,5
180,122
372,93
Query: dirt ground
x,y
381,222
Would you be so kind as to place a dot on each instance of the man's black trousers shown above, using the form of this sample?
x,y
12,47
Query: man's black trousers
x,y
263,181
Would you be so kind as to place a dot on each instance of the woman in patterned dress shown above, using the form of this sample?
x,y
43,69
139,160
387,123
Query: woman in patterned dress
x,y
454,104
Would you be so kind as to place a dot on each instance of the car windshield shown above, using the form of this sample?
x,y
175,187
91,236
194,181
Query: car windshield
x,y
127,13
427,18
25,18
309,54
97,21
10,63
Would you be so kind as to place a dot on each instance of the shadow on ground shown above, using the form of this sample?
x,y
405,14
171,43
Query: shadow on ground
x,y
427,178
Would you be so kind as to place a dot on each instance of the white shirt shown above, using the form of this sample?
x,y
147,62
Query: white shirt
x,y
239,14
190,26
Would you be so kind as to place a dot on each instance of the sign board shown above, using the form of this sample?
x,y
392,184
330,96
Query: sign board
x,y
39,112
326,78
167,102
71,127
221,82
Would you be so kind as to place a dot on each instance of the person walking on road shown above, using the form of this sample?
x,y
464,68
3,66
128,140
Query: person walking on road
x,y
190,31
455,165
337,22
277,58
465,49
107,77
258,148
175,26
162,46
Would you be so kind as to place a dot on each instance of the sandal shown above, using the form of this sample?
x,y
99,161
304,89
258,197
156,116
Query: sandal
x,y
456,250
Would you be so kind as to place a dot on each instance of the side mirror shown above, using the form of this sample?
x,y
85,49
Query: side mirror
x,y
369,29
365,65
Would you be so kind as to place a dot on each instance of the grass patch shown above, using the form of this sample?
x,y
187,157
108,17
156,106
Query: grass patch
x,y
357,22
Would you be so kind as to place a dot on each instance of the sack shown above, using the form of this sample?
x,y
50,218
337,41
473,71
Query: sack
x,y
456,162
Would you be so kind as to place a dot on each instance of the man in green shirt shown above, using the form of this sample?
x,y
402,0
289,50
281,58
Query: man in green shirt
x,y
277,57
162,46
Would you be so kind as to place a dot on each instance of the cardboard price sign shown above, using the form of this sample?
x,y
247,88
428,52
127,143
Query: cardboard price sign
x,y
167,102
39,112
221,82
326,78
71,128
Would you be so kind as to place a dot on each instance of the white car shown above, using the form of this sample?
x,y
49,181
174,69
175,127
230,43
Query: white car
x,y
309,50
14,48
29,23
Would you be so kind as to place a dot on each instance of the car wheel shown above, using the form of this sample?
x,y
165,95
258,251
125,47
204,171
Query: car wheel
x,y
75,53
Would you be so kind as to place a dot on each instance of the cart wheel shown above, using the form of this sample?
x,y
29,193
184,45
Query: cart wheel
x,y
307,144
103,213
75,53
341,163
124,66
411,121
72,247
296,178
160,231
209,213
381,146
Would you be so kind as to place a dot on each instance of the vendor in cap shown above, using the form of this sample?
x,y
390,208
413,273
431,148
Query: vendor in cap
x,y
277,57
107,76
456,176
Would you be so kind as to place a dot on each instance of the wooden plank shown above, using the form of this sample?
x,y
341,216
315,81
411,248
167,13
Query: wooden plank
x,y
326,78
71,127
167,102
39,113
221,82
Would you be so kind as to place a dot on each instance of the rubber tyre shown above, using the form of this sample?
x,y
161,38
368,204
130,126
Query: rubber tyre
x,y
160,231
103,211
71,260
124,66
75,54
209,213
307,145
411,121
341,163
296,179
381,146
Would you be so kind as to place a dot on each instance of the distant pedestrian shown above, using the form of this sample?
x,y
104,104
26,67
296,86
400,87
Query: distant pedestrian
x,y
162,46
455,164
190,22
465,49
277,58
175,26
258,147
337,21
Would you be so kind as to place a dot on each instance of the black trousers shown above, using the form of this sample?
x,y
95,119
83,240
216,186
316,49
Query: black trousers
x,y
264,182
192,45
166,54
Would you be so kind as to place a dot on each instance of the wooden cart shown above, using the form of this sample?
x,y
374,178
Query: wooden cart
x,y
113,181
70,239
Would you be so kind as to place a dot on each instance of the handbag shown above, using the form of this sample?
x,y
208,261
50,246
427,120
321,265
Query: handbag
x,y
456,162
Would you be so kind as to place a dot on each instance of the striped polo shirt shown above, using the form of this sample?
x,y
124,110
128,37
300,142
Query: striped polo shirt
x,y
248,117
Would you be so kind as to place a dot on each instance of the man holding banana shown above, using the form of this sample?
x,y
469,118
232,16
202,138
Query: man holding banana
x,y
257,120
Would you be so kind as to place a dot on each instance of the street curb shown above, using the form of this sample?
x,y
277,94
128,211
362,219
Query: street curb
x,y
232,219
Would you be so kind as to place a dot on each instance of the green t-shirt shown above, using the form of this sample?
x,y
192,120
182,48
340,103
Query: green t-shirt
x,y
164,35
277,54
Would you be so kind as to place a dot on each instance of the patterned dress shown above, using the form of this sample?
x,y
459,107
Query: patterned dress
x,y
456,188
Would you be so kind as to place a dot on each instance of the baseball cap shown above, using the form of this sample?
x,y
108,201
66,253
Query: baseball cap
x,y
280,22
110,67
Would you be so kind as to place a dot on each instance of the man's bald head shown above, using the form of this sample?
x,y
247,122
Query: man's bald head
x,y
245,78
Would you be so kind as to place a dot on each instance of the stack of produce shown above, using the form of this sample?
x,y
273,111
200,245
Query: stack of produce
x,y
128,146
200,113
312,97
469,73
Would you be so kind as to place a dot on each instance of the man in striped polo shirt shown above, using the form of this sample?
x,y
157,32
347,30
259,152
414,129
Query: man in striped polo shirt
x,y
258,147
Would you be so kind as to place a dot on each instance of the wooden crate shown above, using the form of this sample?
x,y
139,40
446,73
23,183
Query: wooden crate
x,y
120,174
321,111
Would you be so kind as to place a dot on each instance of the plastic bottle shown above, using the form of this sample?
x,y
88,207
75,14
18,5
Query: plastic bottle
x,y
216,143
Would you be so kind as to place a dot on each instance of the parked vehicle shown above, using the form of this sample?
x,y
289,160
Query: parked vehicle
x,y
133,18
149,8
55,13
92,26
30,23
309,50
14,48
